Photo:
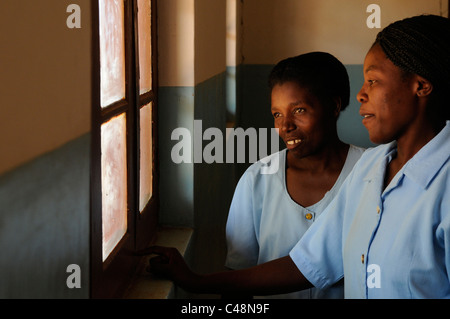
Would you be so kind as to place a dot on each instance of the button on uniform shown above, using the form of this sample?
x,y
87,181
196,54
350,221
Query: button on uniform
x,y
378,209
309,216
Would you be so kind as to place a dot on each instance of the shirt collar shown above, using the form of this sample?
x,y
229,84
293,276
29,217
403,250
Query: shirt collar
x,y
424,165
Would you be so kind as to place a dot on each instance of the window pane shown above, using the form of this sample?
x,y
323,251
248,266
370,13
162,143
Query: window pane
x,y
112,51
114,182
146,160
145,46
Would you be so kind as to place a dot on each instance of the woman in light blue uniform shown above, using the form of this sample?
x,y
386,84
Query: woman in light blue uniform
x,y
267,216
388,230
393,213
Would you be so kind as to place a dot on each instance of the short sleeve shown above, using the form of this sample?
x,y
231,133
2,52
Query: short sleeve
x,y
242,243
318,255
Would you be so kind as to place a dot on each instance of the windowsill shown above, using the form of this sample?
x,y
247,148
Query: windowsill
x,y
147,286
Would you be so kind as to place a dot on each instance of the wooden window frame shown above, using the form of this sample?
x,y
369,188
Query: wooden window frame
x,y
110,278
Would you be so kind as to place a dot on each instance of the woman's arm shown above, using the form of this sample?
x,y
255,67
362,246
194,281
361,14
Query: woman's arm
x,y
274,277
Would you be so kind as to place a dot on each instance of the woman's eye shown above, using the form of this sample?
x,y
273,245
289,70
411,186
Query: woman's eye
x,y
371,82
276,115
299,110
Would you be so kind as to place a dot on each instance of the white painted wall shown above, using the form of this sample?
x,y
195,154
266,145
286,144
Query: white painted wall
x,y
210,39
45,82
191,40
176,42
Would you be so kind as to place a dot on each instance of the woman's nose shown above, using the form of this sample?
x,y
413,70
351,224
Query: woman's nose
x,y
361,96
288,124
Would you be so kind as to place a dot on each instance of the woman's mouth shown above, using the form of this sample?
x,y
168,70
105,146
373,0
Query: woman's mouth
x,y
367,117
293,143
364,114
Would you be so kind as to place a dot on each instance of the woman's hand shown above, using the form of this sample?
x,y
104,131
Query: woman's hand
x,y
169,263
274,277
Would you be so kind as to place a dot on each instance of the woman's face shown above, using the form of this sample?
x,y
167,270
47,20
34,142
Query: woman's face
x,y
388,98
304,124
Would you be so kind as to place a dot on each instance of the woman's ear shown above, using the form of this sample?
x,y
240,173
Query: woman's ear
x,y
424,87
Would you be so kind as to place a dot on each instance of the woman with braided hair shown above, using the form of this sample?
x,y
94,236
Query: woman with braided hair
x,y
388,229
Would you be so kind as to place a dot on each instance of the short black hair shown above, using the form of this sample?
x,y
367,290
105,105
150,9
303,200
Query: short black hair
x,y
320,72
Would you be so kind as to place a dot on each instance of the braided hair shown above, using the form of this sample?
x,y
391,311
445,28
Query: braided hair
x,y
319,72
421,45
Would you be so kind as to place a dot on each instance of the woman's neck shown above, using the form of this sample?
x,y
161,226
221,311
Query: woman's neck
x,y
408,145
330,156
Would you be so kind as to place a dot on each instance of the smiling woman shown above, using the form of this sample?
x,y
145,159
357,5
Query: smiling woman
x,y
310,170
305,107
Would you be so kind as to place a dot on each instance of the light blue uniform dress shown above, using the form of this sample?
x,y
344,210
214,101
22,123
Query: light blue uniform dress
x,y
264,223
387,243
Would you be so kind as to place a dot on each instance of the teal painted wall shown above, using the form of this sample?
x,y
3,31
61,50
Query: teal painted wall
x,y
195,194
44,224
350,127
213,183
175,109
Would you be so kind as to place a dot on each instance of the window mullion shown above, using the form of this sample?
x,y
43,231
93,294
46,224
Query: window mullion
x,y
133,118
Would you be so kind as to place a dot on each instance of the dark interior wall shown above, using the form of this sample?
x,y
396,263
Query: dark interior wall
x,y
213,182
